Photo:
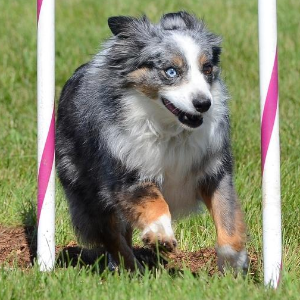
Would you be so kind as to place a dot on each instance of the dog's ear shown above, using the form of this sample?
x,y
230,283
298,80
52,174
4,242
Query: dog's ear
x,y
179,20
120,24
124,27
216,52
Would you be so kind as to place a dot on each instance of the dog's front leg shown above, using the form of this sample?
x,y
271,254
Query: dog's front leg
x,y
221,200
147,210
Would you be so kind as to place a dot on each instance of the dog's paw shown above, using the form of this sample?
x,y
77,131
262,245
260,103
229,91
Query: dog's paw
x,y
111,264
238,260
160,233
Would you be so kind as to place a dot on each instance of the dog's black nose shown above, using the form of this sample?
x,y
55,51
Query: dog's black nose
x,y
202,104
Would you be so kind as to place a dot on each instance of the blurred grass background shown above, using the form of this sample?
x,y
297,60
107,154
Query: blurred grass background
x,y
81,26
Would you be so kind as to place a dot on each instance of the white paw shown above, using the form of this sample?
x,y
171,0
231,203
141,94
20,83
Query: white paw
x,y
238,260
160,232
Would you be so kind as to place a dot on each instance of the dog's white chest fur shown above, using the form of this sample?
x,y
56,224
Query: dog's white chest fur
x,y
181,196
164,152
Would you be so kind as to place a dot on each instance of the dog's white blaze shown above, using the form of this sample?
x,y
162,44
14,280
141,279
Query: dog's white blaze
x,y
161,226
182,95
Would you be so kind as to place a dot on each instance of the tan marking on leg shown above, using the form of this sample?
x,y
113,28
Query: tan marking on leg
x,y
237,239
150,207
148,211
152,210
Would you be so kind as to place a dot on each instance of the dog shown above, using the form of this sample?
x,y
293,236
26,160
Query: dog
x,y
143,133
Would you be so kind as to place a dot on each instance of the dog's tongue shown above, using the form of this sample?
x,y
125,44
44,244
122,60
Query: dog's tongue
x,y
172,108
192,121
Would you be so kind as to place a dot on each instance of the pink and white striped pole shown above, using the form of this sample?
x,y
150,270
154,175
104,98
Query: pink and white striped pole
x,y
46,130
270,149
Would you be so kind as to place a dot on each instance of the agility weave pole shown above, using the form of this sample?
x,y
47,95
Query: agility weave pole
x,y
270,149
46,132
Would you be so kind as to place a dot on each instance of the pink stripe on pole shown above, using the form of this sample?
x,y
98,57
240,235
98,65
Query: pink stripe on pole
x,y
46,164
269,112
39,5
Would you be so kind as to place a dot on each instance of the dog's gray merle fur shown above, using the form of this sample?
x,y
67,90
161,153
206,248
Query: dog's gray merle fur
x,y
143,133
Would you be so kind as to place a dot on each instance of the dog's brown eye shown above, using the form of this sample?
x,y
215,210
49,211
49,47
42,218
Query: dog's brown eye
x,y
207,69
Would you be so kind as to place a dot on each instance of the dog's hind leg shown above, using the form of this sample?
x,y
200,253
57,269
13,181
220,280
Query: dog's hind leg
x,y
116,243
128,235
146,209
221,201
97,227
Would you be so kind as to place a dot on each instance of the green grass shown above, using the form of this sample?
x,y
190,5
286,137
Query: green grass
x,y
74,283
80,27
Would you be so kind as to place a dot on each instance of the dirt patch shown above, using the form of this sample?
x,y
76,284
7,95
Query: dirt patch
x,y
18,247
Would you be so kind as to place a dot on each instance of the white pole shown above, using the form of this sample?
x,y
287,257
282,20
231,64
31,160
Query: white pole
x,y
46,129
268,65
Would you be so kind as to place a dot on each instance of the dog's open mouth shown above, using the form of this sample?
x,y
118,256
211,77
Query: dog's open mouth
x,y
187,119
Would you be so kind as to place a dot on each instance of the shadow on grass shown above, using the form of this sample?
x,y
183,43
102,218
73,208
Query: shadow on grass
x,y
197,262
76,256
29,219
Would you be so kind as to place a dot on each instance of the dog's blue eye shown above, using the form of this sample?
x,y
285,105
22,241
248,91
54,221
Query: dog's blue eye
x,y
171,72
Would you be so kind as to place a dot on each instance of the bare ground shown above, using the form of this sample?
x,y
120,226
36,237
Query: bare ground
x,y
18,248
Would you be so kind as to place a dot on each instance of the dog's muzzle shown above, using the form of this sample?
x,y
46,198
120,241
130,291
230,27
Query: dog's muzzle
x,y
187,119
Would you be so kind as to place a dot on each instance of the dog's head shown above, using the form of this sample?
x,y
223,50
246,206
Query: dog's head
x,y
174,62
